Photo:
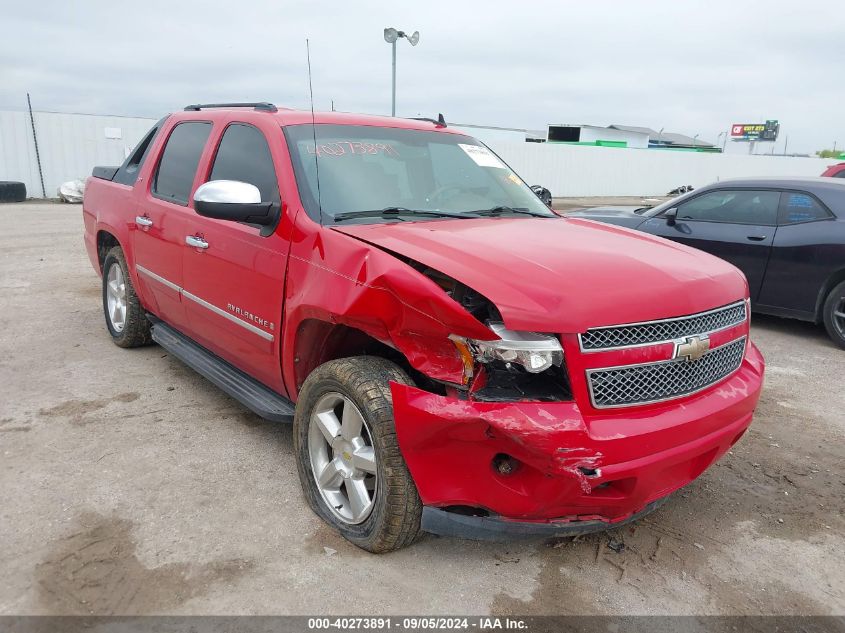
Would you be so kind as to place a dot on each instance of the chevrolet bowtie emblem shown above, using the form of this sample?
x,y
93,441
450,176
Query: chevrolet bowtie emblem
x,y
692,347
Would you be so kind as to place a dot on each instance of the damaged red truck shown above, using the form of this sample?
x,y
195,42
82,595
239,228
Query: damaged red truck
x,y
455,357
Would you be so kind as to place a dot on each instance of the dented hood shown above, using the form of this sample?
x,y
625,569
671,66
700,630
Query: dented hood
x,y
562,275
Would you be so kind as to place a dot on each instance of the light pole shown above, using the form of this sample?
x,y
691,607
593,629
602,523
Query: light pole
x,y
390,36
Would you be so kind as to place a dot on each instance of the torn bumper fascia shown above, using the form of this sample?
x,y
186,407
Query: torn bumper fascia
x,y
572,468
483,528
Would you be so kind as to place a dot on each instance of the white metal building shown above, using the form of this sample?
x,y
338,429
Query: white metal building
x,y
592,133
69,145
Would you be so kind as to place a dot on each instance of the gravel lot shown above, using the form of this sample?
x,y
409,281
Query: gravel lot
x,y
128,484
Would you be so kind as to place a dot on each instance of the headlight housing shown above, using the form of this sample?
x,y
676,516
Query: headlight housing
x,y
532,351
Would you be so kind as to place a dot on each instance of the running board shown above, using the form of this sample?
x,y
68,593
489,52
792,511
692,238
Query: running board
x,y
248,391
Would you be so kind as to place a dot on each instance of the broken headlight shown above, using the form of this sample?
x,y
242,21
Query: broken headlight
x,y
535,353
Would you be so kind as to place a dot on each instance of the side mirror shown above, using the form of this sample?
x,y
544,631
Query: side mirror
x,y
232,200
671,216
544,194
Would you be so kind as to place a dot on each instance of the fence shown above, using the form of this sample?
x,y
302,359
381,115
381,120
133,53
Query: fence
x,y
578,170
71,144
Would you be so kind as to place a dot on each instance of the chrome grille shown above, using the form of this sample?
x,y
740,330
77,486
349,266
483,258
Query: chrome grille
x,y
654,382
664,330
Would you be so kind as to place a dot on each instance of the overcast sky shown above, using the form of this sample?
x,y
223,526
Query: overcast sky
x,y
687,66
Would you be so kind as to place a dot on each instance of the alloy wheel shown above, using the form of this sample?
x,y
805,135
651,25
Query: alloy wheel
x,y
839,316
116,297
343,458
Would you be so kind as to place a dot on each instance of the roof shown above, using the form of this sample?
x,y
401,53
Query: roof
x,y
287,116
600,127
664,137
815,182
680,139
634,128
298,117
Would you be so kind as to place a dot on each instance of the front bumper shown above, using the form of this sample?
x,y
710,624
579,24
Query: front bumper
x,y
481,528
576,472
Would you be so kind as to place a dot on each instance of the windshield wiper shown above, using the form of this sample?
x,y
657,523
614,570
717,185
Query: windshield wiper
x,y
394,212
499,210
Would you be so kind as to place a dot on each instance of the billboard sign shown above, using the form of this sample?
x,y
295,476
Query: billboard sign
x,y
767,131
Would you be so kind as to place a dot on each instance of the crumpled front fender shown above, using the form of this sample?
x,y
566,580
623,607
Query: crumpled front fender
x,y
340,280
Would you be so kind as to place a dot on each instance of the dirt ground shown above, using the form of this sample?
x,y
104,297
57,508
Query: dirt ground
x,y
128,484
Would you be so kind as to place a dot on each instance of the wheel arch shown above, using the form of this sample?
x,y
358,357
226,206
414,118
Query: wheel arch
x,y
106,240
318,341
830,283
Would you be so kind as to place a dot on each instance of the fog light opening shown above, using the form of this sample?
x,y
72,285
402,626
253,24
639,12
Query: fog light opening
x,y
505,465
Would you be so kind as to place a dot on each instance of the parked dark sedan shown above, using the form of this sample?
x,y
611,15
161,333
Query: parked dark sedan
x,y
786,235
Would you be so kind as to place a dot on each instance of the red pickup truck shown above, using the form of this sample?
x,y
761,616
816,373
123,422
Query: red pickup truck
x,y
454,356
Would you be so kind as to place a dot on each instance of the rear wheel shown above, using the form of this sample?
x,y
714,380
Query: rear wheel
x,y
350,466
125,318
834,314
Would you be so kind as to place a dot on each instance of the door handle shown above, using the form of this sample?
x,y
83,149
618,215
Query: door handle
x,y
142,220
197,242
757,238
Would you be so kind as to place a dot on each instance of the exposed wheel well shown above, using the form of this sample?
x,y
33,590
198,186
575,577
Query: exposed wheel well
x,y
318,342
834,280
105,242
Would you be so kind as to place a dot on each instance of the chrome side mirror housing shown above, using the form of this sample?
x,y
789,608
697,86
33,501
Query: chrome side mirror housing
x,y
232,200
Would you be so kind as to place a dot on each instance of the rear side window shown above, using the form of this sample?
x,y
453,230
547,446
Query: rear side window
x,y
801,207
179,161
128,172
736,206
244,155
840,173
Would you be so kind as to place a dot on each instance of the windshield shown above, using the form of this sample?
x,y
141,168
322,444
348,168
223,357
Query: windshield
x,y
397,174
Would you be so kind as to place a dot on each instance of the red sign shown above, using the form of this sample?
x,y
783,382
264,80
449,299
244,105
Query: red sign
x,y
746,129
767,131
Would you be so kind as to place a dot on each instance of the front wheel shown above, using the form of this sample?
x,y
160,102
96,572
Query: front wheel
x,y
834,314
352,472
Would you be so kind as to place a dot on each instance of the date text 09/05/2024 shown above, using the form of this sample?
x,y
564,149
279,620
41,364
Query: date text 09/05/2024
x,y
416,623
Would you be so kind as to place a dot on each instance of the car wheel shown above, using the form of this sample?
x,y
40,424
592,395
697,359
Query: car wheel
x,y
125,319
352,472
834,314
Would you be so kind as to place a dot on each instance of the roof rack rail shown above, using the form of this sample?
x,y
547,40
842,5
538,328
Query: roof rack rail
x,y
261,106
440,121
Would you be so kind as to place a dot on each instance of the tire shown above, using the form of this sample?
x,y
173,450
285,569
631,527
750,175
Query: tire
x,y
12,191
834,306
393,519
135,328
